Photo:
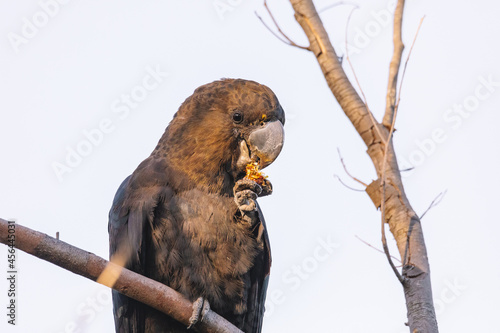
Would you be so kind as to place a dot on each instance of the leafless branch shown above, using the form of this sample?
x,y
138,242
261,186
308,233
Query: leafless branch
x,y
382,201
373,247
128,283
437,200
394,65
391,131
398,213
349,59
393,113
347,171
286,39
398,12
384,239
406,63
336,4
342,182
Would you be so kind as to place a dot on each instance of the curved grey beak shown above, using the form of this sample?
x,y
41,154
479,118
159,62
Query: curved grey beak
x,y
266,142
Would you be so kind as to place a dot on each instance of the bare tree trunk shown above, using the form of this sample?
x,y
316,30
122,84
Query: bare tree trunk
x,y
129,283
396,209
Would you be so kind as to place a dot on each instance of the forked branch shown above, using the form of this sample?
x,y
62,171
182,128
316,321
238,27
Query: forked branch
x,y
284,38
387,191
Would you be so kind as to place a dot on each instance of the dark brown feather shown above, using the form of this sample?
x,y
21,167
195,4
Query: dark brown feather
x,y
177,217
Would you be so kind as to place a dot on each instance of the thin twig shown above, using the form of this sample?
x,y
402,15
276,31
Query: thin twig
x,y
287,40
340,3
373,247
406,63
346,171
437,200
278,27
375,123
351,188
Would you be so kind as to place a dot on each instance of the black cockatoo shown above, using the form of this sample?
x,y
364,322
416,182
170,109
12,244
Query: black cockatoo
x,y
188,218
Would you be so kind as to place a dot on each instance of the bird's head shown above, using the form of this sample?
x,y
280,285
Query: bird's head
x,y
221,128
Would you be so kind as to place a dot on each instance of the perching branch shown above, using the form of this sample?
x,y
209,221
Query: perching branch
x,y
129,283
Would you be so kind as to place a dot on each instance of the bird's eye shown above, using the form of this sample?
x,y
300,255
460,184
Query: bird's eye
x,y
237,117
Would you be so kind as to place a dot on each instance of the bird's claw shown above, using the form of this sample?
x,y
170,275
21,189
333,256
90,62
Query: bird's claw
x,y
245,200
200,308
246,192
247,184
267,188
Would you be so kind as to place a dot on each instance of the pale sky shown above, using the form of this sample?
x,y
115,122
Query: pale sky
x,y
88,87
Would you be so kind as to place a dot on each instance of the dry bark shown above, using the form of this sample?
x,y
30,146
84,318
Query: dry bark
x,y
404,223
129,283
